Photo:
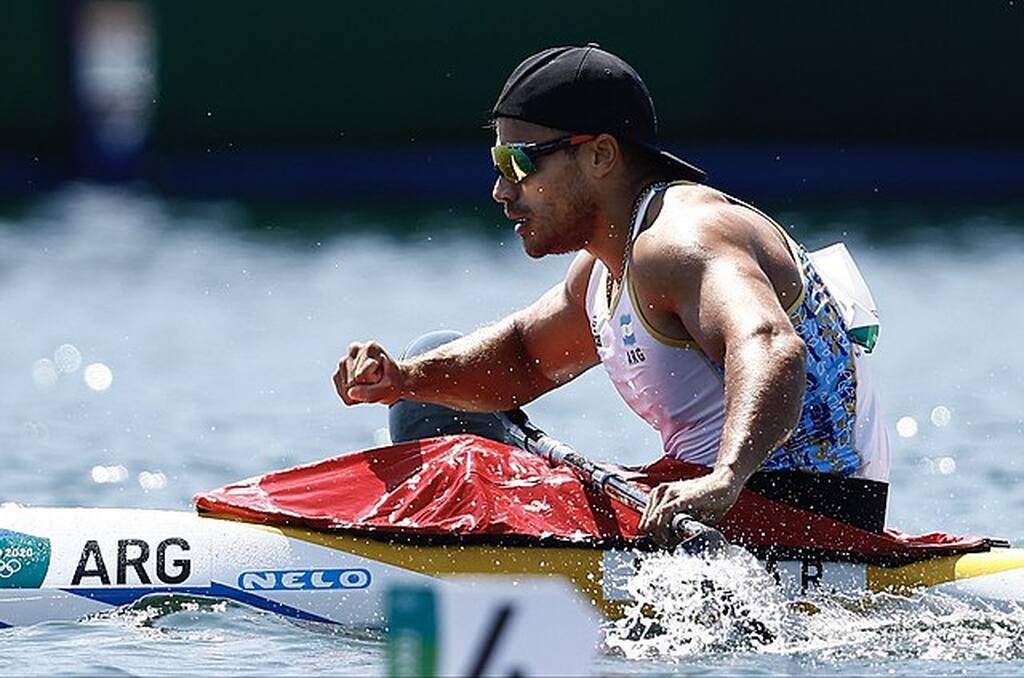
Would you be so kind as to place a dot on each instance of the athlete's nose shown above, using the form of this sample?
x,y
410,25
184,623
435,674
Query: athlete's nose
x,y
504,191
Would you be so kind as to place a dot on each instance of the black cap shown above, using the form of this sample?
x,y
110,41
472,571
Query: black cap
x,y
587,90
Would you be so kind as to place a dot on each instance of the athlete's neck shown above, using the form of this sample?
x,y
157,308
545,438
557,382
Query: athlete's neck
x,y
615,225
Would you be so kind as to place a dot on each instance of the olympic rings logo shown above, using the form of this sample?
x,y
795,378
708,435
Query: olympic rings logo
x,y
9,568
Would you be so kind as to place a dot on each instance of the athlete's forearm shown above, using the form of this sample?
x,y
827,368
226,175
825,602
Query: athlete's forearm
x,y
764,388
485,371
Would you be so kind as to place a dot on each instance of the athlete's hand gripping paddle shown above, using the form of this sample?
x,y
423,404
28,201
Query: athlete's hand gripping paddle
x,y
695,537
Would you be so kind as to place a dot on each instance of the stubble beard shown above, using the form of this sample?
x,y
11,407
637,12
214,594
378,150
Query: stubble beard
x,y
572,229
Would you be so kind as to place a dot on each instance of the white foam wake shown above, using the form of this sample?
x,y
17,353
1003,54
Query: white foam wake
x,y
689,607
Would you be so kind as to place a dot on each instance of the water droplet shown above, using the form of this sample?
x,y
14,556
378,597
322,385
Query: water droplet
x,y
44,373
152,480
108,474
906,427
941,416
98,377
67,358
946,465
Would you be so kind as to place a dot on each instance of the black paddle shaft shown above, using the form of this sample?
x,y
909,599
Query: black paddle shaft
x,y
697,537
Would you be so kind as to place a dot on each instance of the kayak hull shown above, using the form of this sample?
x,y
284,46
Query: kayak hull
x,y
66,564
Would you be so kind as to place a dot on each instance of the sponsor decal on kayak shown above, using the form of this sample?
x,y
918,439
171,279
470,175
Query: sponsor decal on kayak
x,y
305,580
24,560
135,562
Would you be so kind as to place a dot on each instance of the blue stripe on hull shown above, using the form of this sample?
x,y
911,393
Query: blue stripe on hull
x,y
118,597
5,626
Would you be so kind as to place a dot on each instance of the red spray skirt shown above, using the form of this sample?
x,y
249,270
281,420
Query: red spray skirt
x,y
474,489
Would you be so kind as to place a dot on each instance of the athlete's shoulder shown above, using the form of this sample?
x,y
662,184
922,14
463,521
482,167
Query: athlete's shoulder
x,y
683,223
694,221
696,210
693,228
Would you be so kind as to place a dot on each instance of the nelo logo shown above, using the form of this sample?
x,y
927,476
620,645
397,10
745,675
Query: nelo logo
x,y
305,580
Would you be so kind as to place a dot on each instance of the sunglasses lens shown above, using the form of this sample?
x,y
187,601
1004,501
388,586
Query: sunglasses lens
x,y
512,161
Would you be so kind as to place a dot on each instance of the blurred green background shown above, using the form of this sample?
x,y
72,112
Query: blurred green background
x,y
312,96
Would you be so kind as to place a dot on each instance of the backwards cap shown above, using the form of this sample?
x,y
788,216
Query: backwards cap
x,y
587,90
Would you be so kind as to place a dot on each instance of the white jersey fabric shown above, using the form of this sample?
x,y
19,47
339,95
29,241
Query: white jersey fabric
x,y
679,390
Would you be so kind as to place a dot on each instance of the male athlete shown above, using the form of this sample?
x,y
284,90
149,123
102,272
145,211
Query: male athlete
x,y
713,324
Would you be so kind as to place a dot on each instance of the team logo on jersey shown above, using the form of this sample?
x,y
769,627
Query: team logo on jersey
x,y
626,322
634,354
24,560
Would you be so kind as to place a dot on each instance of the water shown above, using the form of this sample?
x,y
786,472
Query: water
x,y
724,612
221,327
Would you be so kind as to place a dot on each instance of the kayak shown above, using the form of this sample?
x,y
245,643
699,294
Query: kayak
x,y
71,563
325,542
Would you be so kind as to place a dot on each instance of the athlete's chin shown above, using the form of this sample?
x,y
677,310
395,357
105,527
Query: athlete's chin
x,y
539,243
535,249
533,244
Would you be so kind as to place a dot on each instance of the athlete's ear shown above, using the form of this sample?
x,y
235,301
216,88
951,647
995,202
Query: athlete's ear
x,y
604,154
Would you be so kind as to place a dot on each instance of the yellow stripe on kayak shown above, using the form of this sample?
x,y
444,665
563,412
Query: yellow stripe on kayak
x,y
582,566
943,570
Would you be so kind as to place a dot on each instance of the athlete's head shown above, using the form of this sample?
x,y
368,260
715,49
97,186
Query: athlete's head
x,y
571,123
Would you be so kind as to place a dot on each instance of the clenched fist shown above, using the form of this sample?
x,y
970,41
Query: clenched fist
x,y
368,375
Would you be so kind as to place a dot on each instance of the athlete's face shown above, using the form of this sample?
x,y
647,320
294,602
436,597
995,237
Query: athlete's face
x,y
553,207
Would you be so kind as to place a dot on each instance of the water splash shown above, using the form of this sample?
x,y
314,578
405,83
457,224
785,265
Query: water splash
x,y
690,608
686,605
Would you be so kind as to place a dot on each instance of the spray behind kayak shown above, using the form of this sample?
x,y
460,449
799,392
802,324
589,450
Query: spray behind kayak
x,y
726,605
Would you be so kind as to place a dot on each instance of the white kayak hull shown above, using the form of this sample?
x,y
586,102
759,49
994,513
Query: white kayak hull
x,y
66,564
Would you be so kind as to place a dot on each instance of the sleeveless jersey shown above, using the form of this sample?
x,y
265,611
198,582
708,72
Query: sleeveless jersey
x,y
679,390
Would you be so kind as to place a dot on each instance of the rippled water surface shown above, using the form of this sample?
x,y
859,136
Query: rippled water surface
x,y
152,349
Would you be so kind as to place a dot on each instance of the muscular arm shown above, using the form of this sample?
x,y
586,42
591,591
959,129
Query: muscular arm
x,y
501,366
732,311
711,277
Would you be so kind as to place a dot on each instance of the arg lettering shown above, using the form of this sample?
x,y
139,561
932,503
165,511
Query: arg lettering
x,y
173,565
635,356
